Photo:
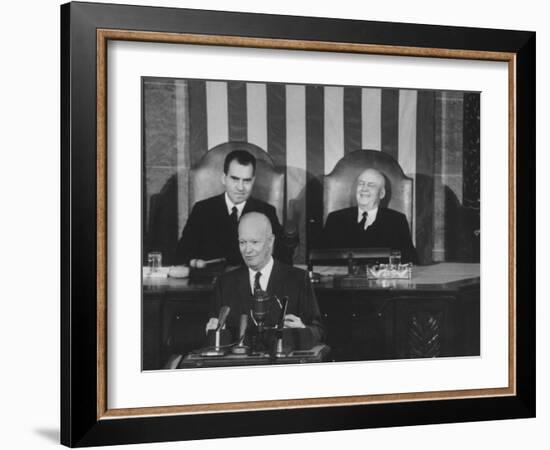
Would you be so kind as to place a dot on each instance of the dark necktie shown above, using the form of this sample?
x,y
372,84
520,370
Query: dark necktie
x,y
234,216
257,286
363,221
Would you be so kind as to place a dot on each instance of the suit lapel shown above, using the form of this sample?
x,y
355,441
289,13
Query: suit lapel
x,y
275,277
354,212
222,207
379,218
248,206
243,287
276,280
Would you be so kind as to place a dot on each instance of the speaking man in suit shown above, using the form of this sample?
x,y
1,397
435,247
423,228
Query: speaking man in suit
x,y
262,272
369,224
211,229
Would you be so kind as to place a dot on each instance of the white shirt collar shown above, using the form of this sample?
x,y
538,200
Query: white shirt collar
x,y
371,216
230,205
264,279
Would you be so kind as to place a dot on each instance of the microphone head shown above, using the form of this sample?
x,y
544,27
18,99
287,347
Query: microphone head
x,y
260,305
284,304
224,312
243,325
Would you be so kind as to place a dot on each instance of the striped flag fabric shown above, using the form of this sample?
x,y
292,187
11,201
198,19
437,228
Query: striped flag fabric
x,y
307,129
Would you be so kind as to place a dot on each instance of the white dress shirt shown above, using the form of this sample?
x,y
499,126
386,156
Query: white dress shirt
x,y
371,216
264,279
230,206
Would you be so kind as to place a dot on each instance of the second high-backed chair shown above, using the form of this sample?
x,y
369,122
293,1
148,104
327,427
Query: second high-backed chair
x,y
339,185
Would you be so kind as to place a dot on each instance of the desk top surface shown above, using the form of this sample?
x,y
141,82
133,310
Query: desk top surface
x,y
441,276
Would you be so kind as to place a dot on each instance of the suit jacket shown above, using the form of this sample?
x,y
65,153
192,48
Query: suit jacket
x,y
233,289
390,229
210,232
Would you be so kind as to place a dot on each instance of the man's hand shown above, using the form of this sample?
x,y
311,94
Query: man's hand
x,y
292,321
212,324
197,263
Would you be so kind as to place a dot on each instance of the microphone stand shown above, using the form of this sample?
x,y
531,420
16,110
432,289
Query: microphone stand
x,y
279,333
258,313
240,348
217,350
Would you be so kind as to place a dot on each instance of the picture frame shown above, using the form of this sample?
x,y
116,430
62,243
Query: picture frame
x,y
86,28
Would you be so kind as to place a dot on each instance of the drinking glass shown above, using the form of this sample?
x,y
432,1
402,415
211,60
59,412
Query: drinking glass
x,y
395,259
154,260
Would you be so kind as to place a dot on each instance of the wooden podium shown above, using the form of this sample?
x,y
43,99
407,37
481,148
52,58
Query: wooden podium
x,y
316,354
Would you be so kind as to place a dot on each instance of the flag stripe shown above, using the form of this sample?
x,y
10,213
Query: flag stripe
x,y
315,163
471,162
256,114
333,126
453,160
276,123
406,142
425,133
407,131
236,109
352,119
198,137
307,129
389,121
371,106
295,117
216,113
182,152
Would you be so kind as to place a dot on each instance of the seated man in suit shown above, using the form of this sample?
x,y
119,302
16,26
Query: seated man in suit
x,y
368,224
211,229
262,272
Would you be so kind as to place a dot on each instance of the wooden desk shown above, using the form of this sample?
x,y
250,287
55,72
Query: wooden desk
x,y
436,313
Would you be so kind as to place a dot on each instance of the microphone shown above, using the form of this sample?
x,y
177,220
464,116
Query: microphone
x,y
281,321
260,307
217,350
224,312
259,311
243,325
240,348
280,325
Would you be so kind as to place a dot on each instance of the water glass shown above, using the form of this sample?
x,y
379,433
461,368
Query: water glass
x,y
154,260
395,259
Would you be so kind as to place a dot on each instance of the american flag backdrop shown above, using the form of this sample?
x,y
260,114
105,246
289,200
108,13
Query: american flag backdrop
x,y
306,129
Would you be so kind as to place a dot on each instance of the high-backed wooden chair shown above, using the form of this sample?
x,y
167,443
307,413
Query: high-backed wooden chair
x,y
205,177
339,185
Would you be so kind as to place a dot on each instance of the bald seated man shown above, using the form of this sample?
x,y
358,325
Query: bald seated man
x,y
236,288
369,224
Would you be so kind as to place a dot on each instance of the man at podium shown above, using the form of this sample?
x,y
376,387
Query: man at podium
x,y
283,284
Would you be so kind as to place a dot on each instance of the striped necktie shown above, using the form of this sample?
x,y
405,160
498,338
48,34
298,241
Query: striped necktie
x,y
234,215
363,221
257,286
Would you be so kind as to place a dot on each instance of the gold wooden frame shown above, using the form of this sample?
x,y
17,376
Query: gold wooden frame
x,y
103,36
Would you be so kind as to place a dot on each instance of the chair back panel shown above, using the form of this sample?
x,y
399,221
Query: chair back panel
x,y
205,179
339,185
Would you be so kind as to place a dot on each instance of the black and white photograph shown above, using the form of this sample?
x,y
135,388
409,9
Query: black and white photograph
x,y
288,223
276,224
